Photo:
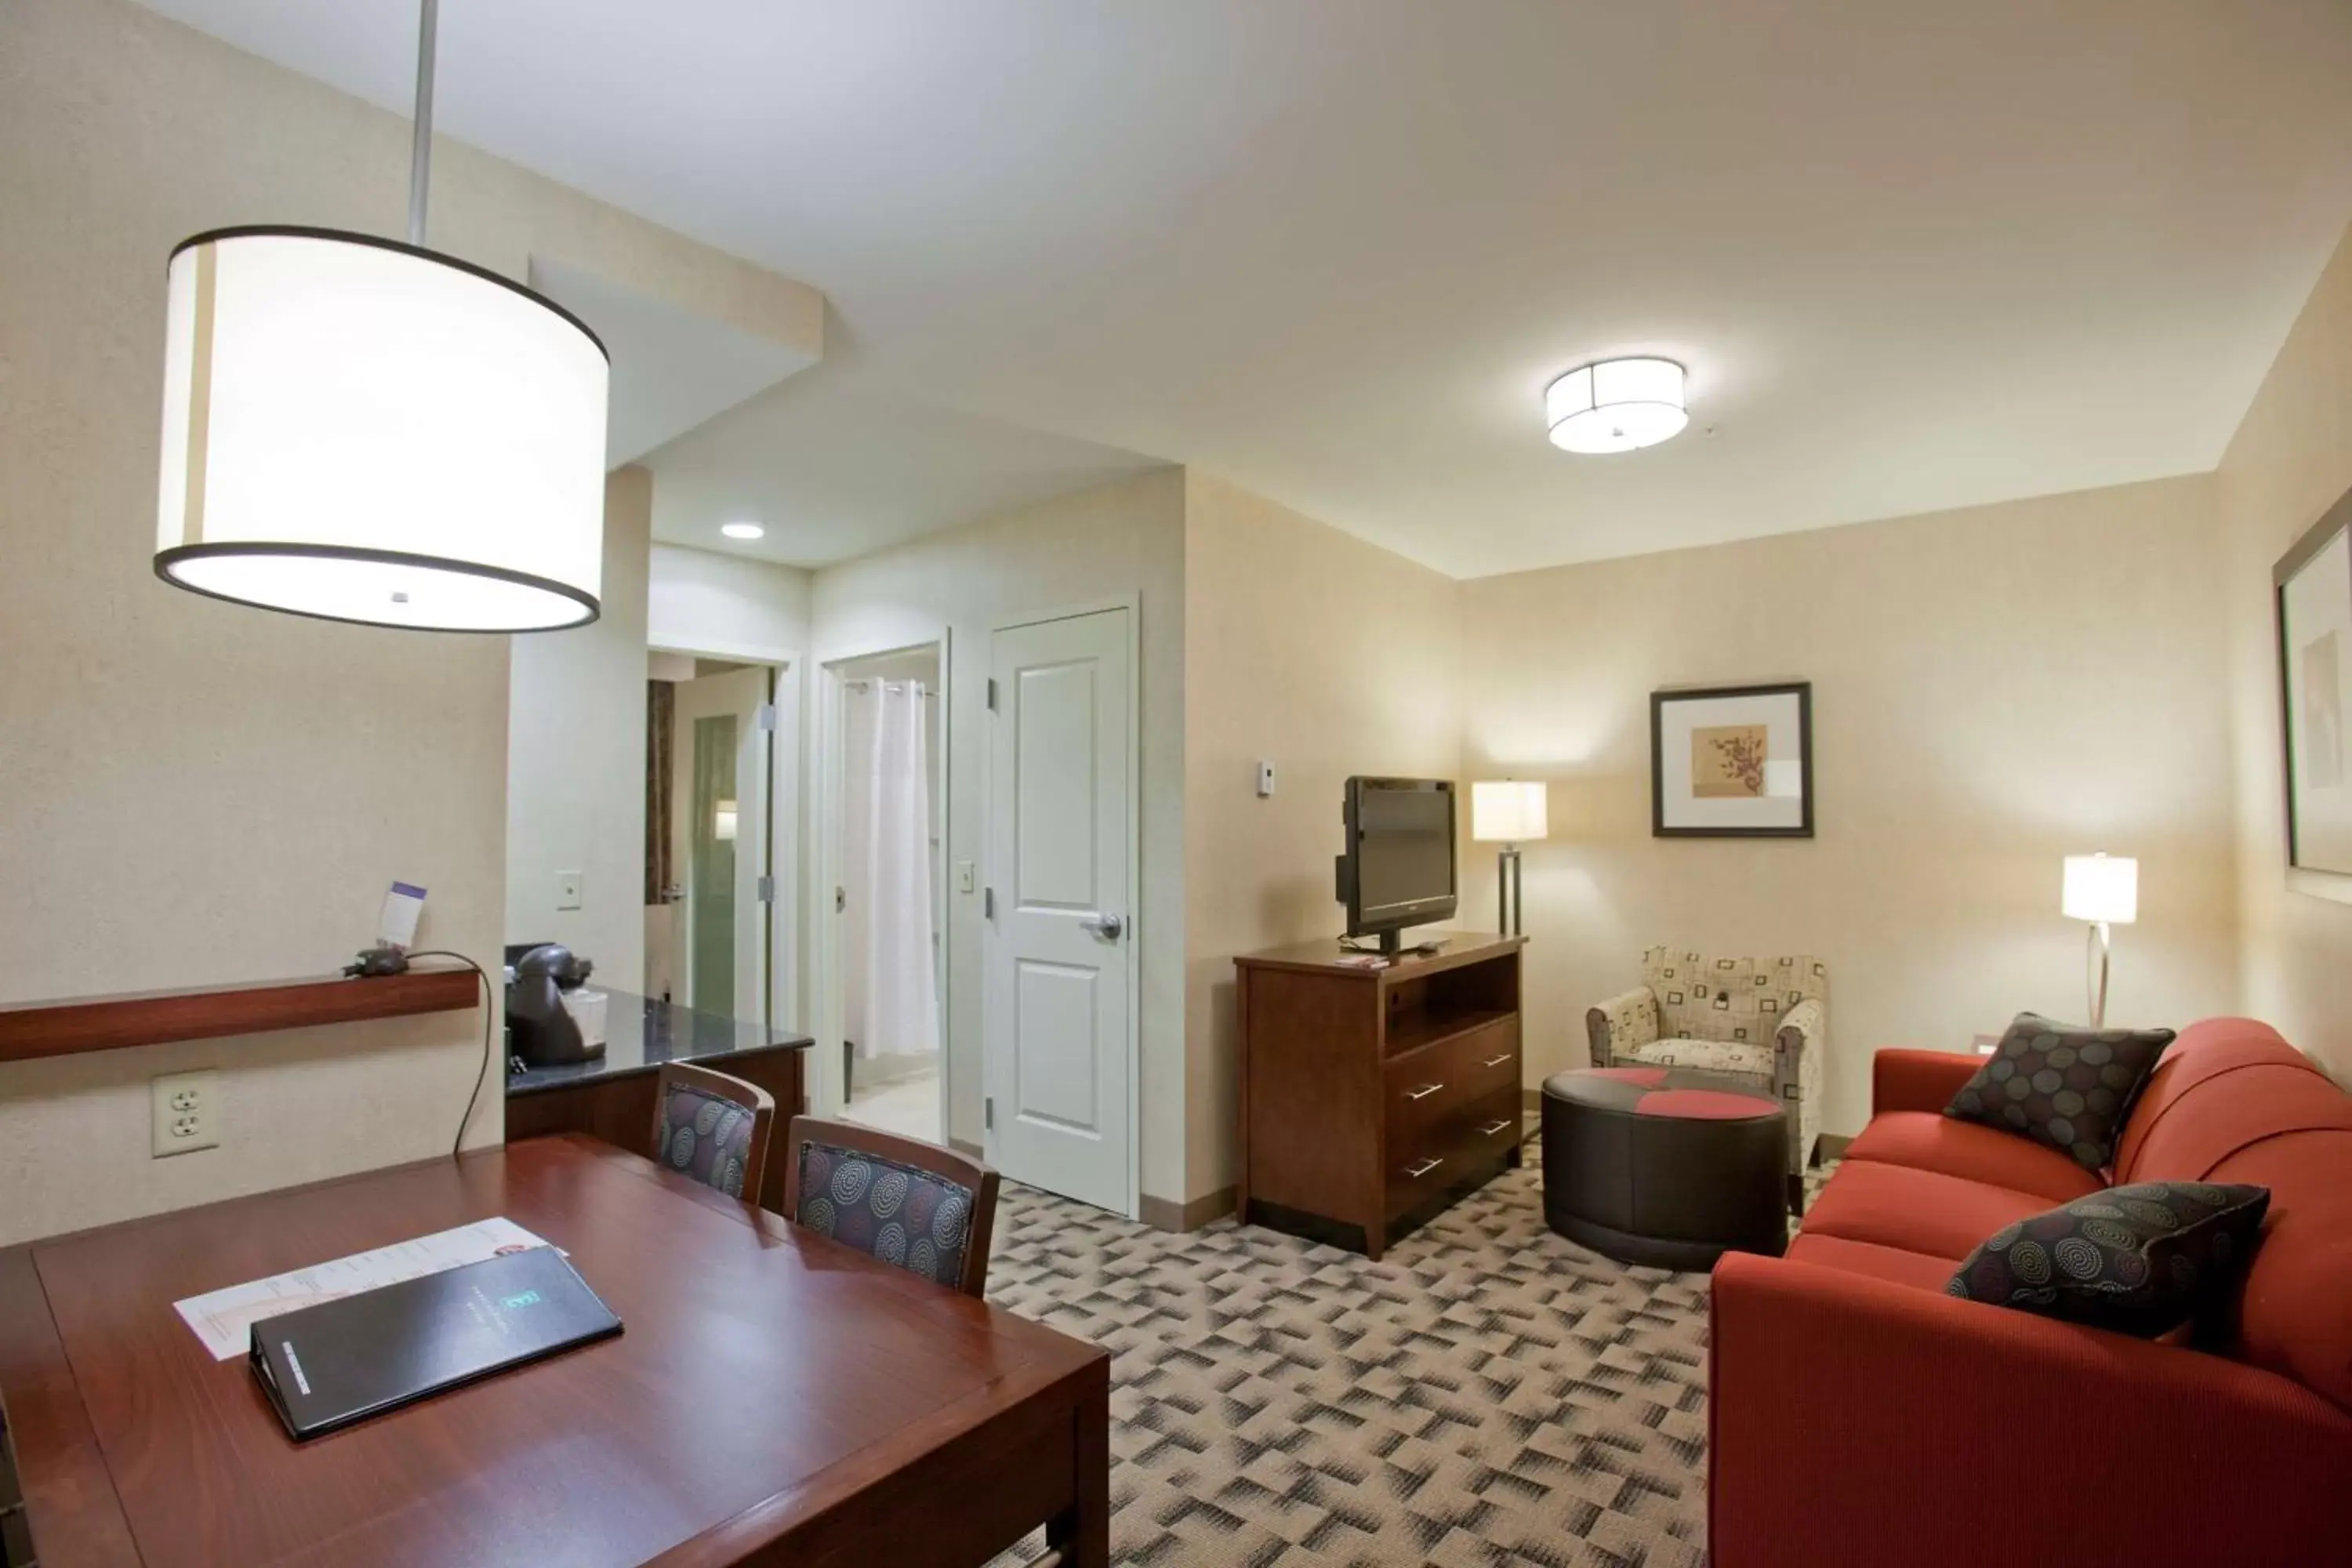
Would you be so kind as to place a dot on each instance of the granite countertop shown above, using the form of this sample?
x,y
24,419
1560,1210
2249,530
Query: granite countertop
x,y
641,1033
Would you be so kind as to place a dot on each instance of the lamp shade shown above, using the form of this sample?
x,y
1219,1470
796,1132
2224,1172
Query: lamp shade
x,y
368,431
1615,406
1508,810
2101,888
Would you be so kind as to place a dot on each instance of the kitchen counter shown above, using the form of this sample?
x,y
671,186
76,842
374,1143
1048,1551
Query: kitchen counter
x,y
641,1033
611,1097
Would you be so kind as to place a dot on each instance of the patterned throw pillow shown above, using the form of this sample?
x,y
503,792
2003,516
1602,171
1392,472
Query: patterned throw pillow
x,y
2138,1259
2063,1086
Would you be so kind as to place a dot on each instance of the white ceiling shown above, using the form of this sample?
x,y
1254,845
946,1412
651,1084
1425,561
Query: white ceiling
x,y
833,466
1916,254
671,369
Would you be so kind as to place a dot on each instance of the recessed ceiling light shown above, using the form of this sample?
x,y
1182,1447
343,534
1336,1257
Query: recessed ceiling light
x,y
742,530
1616,406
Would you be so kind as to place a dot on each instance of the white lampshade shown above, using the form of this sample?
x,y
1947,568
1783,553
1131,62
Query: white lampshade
x,y
1616,406
2101,888
367,431
1508,810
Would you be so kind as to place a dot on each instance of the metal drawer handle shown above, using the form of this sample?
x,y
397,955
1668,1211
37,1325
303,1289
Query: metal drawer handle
x,y
1497,1061
1423,1167
1490,1132
1423,1092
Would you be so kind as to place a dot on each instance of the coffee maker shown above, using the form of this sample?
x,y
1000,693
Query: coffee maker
x,y
541,1029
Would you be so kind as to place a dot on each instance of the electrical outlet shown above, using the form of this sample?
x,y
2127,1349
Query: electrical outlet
x,y
567,890
186,1112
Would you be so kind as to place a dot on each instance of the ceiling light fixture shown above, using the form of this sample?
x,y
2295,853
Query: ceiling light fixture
x,y
742,530
364,430
1616,406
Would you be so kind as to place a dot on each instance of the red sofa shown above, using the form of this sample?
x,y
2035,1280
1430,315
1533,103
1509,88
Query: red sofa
x,y
1860,1415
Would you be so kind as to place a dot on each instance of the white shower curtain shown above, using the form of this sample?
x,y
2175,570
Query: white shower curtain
x,y
890,996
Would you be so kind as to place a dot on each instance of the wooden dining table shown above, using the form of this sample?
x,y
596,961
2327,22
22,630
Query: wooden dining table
x,y
774,1396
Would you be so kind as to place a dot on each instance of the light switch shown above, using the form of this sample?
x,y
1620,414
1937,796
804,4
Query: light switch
x,y
966,878
567,890
1264,779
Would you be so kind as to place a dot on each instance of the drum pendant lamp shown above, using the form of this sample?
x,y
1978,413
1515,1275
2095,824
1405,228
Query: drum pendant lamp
x,y
364,430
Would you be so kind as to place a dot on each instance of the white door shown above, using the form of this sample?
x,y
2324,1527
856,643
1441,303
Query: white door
x,y
1060,948
719,807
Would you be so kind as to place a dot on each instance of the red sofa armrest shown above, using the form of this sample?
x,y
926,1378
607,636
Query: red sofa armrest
x,y
1856,1421
1919,1080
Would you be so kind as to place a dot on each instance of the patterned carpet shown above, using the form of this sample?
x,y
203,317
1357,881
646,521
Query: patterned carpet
x,y
1486,1395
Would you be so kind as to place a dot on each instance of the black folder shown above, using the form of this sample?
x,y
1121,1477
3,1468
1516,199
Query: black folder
x,y
340,1361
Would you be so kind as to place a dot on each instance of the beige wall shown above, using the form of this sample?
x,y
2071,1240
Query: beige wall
x,y
576,760
1327,657
1994,688
733,605
710,603
1121,539
192,792
2291,460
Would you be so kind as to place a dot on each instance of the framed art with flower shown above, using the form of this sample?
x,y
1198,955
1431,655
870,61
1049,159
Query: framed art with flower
x,y
2312,586
1732,762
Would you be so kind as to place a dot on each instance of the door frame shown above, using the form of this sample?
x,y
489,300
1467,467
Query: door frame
x,y
786,990
825,827
992,1051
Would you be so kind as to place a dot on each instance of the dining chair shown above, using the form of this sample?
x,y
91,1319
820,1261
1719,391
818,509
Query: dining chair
x,y
926,1209
712,1128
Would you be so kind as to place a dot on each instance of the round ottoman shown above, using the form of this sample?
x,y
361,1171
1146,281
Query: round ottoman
x,y
1666,1166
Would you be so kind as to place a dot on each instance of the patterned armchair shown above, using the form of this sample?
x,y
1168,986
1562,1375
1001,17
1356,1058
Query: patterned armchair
x,y
1763,1020
909,1203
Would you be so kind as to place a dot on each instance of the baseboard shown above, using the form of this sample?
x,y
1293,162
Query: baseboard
x,y
969,1151
1531,1100
1167,1213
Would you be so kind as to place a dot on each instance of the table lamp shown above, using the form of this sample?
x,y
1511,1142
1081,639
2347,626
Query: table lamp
x,y
2104,890
1509,812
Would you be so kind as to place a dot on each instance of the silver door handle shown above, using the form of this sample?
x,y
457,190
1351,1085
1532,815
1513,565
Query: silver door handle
x,y
1106,927
1422,1168
1496,1061
1423,1092
1490,1132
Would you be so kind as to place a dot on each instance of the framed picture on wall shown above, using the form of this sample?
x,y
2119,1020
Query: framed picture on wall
x,y
2313,585
1732,762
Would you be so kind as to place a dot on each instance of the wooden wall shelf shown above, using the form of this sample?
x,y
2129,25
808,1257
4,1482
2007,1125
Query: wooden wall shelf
x,y
29,1029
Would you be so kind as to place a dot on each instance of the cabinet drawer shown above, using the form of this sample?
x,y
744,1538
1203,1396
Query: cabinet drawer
x,y
1466,1145
1428,1087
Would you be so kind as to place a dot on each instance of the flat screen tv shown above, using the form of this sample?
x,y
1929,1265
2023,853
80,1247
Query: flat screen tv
x,y
1398,867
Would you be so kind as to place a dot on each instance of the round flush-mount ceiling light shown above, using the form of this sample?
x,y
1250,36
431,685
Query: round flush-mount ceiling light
x,y
1616,406
742,530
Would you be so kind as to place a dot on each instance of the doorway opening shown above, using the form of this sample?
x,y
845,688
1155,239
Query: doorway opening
x,y
710,844
887,840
